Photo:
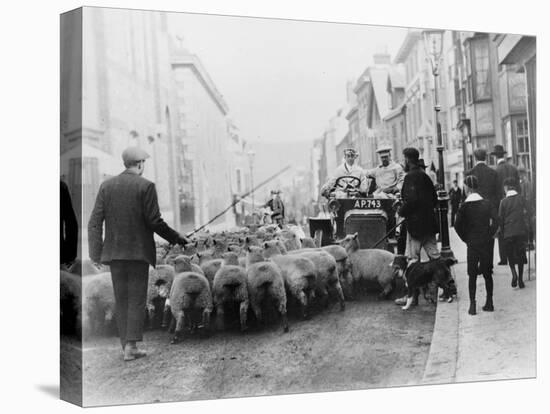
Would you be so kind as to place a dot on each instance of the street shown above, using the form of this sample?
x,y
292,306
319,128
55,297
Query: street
x,y
371,344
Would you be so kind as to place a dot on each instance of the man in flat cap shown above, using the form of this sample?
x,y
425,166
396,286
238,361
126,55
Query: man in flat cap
x,y
388,175
277,208
347,168
128,205
504,170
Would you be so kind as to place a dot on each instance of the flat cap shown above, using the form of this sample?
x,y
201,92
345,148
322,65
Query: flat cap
x,y
133,154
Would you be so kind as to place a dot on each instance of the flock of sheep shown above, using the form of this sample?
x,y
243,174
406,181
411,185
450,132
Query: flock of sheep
x,y
232,276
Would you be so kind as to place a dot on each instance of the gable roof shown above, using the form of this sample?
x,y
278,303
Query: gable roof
x,y
396,77
379,77
412,37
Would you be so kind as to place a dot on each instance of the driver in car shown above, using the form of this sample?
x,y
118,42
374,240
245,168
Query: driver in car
x,y
346,186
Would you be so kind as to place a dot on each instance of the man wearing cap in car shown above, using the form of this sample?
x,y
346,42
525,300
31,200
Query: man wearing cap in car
x,y
388,175
347,168
128,205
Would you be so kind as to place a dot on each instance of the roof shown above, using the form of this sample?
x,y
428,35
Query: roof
x,y
183,58
396,76
412,37
398,110
351,112
379,79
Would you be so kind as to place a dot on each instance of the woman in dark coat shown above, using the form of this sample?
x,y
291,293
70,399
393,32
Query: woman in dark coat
x,y
512,215
475,224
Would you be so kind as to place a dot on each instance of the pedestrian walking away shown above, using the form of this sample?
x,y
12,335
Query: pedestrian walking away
x,y
513,226
476,225
456,197
504,170
128,205
487,181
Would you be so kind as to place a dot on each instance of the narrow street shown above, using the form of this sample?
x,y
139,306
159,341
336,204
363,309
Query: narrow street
x,y
371,344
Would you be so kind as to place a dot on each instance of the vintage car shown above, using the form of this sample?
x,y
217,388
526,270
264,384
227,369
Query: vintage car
x,y
348,212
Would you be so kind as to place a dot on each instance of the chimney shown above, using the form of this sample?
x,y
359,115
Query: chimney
x,y
382,59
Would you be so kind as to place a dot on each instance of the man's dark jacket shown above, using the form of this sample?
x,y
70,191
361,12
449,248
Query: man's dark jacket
x,y
129,206
419,201
504,171
455,196
487,180
68,226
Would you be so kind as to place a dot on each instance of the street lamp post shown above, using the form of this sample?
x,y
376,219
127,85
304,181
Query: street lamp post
x,y
433,44
251,155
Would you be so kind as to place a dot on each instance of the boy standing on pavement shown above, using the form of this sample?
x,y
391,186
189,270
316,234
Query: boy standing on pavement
x,y
475,224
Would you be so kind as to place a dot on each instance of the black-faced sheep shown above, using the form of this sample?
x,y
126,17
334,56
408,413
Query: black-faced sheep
x,y
190,296
299,274
374,265
265,283
158,290
230,288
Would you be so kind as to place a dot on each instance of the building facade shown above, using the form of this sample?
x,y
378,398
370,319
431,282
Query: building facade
x,y
203,131
125,87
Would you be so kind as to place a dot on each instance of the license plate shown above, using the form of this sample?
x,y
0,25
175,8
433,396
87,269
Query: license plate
x,y
367,204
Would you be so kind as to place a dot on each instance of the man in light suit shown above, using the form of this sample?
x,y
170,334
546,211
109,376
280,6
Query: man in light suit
x,y
128,205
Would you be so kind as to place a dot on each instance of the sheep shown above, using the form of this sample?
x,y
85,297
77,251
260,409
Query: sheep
x,y
299,274
70,304
307,242
342,266
220,246
158,289
327,275
98,304
230,287
209,266
374,265
290,240
190,294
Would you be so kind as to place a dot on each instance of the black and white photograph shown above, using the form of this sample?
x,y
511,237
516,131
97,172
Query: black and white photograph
x,y
258,206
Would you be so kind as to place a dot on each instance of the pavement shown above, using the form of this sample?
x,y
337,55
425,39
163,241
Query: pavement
x,y
489,345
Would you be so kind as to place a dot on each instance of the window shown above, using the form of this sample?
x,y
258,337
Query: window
x,y
480,62
522,136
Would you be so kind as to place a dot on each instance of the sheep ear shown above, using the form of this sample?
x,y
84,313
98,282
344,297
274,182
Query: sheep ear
x,y
266,245
246,239
249,249
197,243
355,235
213,242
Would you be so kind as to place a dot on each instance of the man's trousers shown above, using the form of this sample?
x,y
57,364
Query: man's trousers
x,y
130,279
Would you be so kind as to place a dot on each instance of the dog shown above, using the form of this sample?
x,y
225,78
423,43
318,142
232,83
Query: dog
x,y
427,276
